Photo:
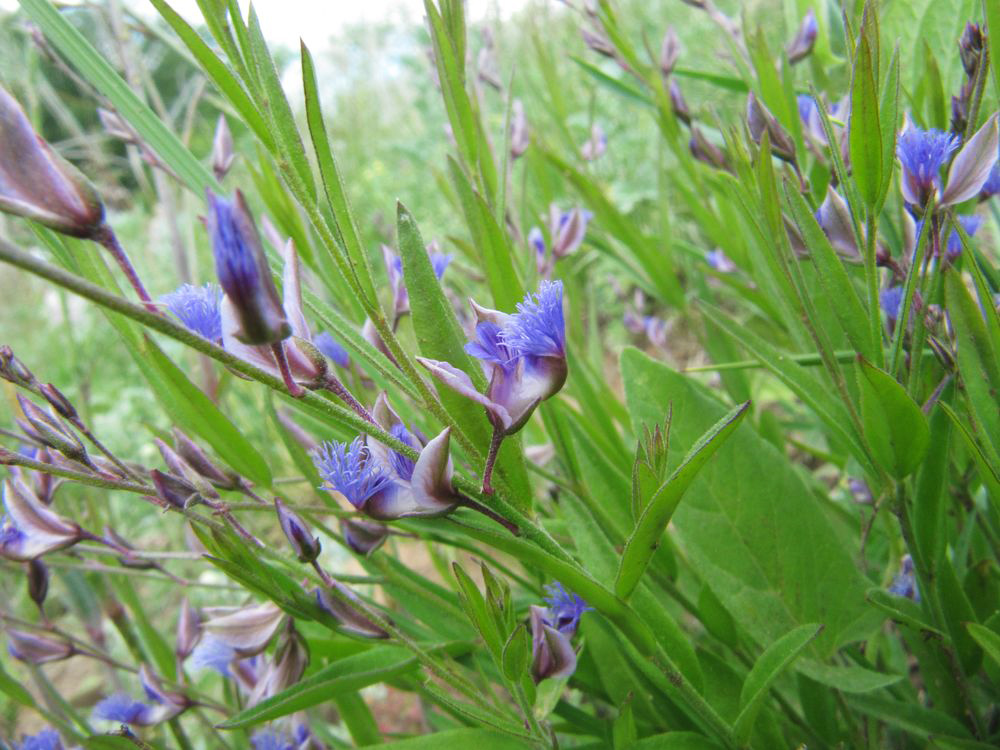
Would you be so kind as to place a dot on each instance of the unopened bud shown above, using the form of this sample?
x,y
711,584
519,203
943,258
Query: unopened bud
x,y
13,369
188,630
37,649
222,149
198,460
364,537
678,103
970,48
58,401
306,546
670,50
173,490
36,183
705,151
183,469
805,39
51,432
760,120
38,581
598,42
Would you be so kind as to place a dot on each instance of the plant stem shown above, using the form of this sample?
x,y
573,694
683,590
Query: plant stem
x,y
106,238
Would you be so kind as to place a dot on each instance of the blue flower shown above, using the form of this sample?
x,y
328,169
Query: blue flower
x,y
47,739
971,224
891,299
905,583
402,465
992,185
537,241
490,346
197,307
213,653
564,608
922,154
243,272
331,349
270,739
123,708
439,262
538,328
350,470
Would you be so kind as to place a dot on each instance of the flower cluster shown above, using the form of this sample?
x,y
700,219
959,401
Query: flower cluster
x,y
552,628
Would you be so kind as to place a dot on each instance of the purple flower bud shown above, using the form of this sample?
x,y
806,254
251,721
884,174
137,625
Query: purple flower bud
x,y
537,243
198,308
58,401
520,134
222,149
198,460
705,151
678,103
805,38
596,145
38,184
306,546
922,153
719,261
173,490
331,349
290,661
905,583
12,369
992,185
363,537
31,529
759,120
51,431
244,274
38,581
350,621
598,42
552,654
670,50
213,653
567,229
47,739
970,48
37,649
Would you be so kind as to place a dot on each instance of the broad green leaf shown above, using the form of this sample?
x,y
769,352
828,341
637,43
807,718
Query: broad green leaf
x,y
894,426
865,134
656,515
988,640
95,68
802,382
346,675
834,277
358,719
516,657
750,525
775,660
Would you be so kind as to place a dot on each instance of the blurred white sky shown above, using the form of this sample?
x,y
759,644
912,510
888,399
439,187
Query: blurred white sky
x,y
285,21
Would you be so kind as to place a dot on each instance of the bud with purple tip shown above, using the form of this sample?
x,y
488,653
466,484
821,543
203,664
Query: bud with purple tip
x,y
670,50
30,529
348,618
552,627
48,429
363,537
596,145
37,649
760,120
306,546
520,134
38,184
805,39
38,582
222,149
905,582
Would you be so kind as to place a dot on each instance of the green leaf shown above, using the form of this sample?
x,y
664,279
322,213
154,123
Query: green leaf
x,y
114,742
991,12
656,515
623,731
749,524
901,609
221,76
455,739
852,679
358,719
832,273
888,122
345,675
676,741
14,689
516,655
911,717
894,426
275,105
333,185
987,639
775,660
865,134
477,611
95,68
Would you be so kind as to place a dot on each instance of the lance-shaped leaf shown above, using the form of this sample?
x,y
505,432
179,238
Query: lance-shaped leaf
x,y
775,659
972,165
864,135
645,537
894,426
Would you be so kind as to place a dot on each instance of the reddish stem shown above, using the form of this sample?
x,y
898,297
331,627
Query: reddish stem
x,y
294,389
498,436
106,238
